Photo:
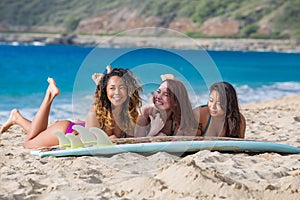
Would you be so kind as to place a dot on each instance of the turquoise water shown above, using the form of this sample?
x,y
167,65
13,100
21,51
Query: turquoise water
x,y
24,71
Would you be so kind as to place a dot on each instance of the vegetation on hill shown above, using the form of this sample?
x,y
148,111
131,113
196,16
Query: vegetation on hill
x,y
279,17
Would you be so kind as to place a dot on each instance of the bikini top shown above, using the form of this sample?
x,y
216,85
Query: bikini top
x,y
172,130
207,124
206,127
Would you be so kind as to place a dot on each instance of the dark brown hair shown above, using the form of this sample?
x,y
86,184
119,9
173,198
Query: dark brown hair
x,y
229,104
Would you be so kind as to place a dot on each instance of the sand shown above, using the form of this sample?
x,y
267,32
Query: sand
x,y
203,175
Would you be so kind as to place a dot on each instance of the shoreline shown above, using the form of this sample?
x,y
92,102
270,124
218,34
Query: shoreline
x,y
217,44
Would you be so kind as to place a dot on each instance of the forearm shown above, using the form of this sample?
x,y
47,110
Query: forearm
x,y
140,131
141,127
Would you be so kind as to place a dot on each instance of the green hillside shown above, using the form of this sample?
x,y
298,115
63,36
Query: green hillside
x,y
282,17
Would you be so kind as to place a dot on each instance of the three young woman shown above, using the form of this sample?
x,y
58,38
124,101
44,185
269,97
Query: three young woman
x,y
116,110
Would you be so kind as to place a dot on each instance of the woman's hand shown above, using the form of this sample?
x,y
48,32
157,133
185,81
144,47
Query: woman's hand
x,y
156,124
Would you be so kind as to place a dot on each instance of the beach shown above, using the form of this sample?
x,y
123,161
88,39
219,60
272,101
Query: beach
x,y
203,175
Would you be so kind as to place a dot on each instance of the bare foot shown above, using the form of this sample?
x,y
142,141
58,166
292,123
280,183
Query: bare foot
x,y
10,121
97,77
167,76
108,69
52,88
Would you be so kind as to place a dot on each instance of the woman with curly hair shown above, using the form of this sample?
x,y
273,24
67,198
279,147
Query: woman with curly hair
x,y
170,114
115,110
116,103
221,117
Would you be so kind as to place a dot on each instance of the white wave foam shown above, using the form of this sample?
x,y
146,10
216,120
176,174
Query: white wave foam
x,y
63,108
250,94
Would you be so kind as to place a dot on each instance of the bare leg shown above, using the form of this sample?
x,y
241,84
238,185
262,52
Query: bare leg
x,y
40,120
47,138
38,132
15,117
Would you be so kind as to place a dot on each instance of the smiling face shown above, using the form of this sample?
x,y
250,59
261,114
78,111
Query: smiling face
x,y
162,97
116,91
214,104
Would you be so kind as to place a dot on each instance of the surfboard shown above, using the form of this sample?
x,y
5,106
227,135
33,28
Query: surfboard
x,y
94,141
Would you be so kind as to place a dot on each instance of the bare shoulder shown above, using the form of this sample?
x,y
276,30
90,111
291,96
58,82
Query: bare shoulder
x,y
201,112
201,108
204,110
196,109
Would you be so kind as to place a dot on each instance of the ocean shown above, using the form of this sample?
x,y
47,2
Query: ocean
x,y
24,70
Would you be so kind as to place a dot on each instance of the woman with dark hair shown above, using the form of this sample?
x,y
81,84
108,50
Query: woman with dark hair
x,y
221,116
114,110
170,114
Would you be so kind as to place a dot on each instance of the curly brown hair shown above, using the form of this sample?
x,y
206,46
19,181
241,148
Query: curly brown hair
x,y
130,108
229,104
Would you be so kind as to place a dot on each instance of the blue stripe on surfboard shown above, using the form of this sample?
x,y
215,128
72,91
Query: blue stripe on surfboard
x,y
175,147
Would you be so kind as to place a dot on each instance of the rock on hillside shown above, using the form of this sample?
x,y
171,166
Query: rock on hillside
x,y
116,21
121,20
220,26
